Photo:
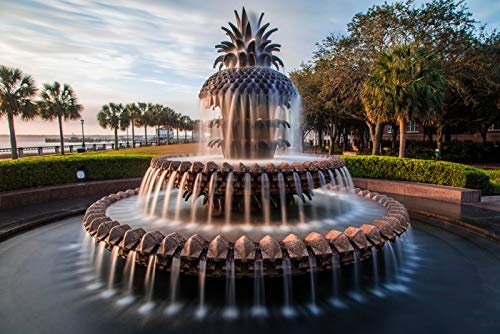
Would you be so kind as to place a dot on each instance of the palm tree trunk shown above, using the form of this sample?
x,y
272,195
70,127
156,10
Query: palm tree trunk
x,y
372,131
376,133
146,134
12,131
133,135
185,136
439,137
332,139
394,135
484,132
61,135
320,138
158,136
177,135
116,138
167,127
402,137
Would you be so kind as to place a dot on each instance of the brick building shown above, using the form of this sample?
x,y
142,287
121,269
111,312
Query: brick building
x,y
415,131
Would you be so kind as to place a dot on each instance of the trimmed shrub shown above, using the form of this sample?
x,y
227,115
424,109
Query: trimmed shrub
x,y
53,170
494,175
414,170
456,151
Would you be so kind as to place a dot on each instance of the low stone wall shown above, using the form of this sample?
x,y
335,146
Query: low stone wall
x,y
424,190
31,196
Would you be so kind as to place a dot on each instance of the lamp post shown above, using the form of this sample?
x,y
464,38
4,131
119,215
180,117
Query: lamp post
x,y
83,134
127,137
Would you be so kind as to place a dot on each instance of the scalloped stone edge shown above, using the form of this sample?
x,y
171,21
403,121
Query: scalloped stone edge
x,y
177,166
245,251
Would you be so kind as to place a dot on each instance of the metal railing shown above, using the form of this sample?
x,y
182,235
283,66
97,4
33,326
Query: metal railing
x,y
56,149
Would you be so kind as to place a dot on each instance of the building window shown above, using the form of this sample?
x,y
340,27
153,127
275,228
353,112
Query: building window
x,y
494,127
389,128
411,127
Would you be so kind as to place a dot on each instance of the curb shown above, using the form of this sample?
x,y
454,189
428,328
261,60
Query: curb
x,y
37,222
456,222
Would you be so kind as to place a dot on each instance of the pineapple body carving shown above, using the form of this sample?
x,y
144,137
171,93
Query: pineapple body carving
x,y
251,96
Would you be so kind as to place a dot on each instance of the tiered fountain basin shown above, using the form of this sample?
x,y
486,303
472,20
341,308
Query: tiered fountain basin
x,y
215,245
298,175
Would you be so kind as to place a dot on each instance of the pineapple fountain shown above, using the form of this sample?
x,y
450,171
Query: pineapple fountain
x,y
247,212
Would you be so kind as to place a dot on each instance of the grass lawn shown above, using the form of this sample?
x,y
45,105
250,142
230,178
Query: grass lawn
x,y
153,151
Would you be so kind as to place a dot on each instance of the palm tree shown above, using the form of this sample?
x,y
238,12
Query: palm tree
x,y
176,122
165,120
144,118
134,115
185,125
59,102
110,116
404,84
16,99
125,121
155,115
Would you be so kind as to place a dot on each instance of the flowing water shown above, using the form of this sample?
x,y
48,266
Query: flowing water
x,y
265,198
57,293
259,293
201,311
149,284
340,181
283,206
228,199
288,310
174,306
231,311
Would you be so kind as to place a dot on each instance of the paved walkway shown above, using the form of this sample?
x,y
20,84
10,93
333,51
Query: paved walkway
x,y
14,221
483,217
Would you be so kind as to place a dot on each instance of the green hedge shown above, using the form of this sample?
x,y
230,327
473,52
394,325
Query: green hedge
x,y
53,170
415,170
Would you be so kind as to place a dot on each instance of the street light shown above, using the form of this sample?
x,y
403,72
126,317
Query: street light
x,y
83,134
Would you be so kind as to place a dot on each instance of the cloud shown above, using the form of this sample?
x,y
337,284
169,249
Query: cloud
x,y
159,51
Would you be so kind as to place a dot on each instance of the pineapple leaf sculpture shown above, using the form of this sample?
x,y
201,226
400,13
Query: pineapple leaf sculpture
x,y
247,49
253,98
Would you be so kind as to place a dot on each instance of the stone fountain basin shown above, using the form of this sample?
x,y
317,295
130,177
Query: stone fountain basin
x,y
245,252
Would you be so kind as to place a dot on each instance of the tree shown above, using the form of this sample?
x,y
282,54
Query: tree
x,y
125,121
186,125
155,112
110,116
481,83
405,84
177,123
145,118
134,115
16,99
444,28
59,102
165,119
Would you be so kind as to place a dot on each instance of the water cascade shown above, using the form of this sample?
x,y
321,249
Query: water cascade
x,y
249,206
340,182
312,275
288,310
231,312
281,187
174,282
259,297
149,284
201,311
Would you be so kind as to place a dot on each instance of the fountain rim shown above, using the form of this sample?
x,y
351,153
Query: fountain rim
x,y
245,252
318,162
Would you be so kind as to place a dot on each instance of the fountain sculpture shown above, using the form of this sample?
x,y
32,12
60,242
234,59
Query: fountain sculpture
x,y
247,212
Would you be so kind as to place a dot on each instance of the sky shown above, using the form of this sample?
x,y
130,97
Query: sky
x,y
154,51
